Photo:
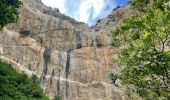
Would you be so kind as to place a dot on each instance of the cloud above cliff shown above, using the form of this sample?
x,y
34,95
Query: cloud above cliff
x,y
88,11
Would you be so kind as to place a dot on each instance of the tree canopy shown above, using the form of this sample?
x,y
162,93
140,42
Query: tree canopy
x,y
144,42
8,11
16,86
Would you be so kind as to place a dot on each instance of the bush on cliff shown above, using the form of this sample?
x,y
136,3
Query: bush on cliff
x,y
24,32
8,11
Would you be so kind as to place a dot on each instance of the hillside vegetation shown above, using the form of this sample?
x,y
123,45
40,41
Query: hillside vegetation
x,y
17,86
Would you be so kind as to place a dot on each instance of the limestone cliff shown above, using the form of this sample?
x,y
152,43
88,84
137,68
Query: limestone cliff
x,y
72,60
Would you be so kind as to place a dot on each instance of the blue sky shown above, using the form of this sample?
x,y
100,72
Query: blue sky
x,y
88,11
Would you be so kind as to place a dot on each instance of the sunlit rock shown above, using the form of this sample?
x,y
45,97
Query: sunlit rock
x,y
71,59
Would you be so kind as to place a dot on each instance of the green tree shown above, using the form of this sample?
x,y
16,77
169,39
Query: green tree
x,y
144,42
16,86
8,11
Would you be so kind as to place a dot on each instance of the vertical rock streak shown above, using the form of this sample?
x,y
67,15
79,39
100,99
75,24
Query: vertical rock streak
x,y
60,60
52,76
46,56
67,87
60,24
58,85
67,72
60,67
78,39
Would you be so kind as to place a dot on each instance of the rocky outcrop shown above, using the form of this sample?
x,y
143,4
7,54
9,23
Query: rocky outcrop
x,y
72,60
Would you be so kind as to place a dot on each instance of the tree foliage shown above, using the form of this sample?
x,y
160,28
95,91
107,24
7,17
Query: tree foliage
x,y
16,86
8,11
144,41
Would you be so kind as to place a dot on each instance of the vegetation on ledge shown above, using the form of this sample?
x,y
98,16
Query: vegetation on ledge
x,y
8,11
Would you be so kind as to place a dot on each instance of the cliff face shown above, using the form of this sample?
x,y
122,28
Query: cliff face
x,y
72,60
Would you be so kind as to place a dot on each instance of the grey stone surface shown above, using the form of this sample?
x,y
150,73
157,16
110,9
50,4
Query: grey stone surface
x,y
79,61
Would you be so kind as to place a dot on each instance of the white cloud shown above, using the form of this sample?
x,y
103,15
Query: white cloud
x,y
88,6
88,11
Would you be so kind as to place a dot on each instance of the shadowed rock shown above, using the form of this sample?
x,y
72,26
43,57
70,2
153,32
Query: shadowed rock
x,y
46,56
78,39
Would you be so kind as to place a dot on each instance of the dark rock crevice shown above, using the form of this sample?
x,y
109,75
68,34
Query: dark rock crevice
x,y
98,43
78,39
58,80
58,85
52,77
67,72
60,60
67,87
46,56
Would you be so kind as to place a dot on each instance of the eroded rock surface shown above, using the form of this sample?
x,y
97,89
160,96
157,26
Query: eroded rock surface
x,y
72,60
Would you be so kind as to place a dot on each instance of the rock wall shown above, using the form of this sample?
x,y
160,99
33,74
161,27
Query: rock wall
x,y
72,60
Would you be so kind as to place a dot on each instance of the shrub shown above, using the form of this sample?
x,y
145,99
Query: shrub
x,y
17,86
25,32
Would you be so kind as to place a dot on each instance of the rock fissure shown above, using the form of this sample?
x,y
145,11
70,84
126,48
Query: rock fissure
x,y
58,85
78,39
67,72
60,59
46,56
